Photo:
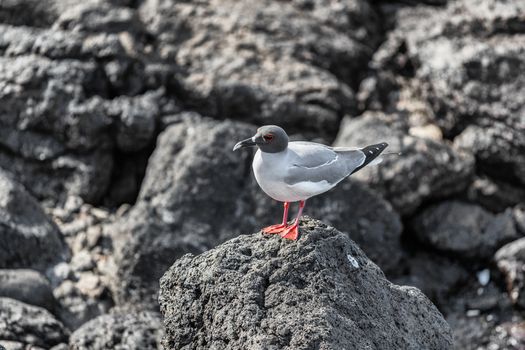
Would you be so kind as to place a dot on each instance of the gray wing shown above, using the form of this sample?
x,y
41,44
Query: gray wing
x,y
313,162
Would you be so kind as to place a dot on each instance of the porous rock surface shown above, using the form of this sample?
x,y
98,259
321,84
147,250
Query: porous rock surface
x,y
59,121
470,69
321,291
268,62
459,64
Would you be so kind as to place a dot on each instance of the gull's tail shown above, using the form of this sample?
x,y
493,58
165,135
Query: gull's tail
x,y
371,152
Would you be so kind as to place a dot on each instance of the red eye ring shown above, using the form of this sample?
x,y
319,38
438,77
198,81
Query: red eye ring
x,y
268,137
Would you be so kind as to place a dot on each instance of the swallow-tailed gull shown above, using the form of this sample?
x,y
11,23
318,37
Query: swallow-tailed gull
x,y
295,171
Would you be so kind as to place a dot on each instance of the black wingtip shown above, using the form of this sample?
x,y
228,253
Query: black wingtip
x,y
371,152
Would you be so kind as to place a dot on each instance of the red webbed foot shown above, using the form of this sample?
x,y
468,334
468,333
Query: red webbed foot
x,y
274,229
291,232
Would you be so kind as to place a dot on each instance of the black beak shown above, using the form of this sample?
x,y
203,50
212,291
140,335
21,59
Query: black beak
x,y
244,143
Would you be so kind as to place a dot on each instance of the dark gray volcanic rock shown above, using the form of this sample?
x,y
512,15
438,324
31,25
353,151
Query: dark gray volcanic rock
x,y
28,286
28,12
40,101
99,17
119,331
36,13
426,169
499,148
70,99
511,261
14,345
475,333
482,317
457,69
198,193
435,275
495,195
467,55
28,237
474,51
134,122
467,230
365,217
187,202
29,324
268,62
321,292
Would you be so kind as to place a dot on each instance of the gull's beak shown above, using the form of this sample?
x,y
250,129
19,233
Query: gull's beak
x,y
244,143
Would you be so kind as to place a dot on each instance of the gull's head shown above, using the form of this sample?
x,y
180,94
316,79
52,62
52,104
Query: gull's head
x,y
269,139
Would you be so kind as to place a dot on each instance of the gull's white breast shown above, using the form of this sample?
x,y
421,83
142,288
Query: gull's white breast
x,y
271,169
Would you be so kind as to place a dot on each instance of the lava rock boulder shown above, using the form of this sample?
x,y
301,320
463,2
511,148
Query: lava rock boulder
x,y
268,62
73,95
464,229
425,169
466,55
28,237
27,324
28,286
120,331
321,291
435,275
188,195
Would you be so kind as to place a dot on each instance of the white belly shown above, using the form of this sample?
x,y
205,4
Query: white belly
x,y
270,170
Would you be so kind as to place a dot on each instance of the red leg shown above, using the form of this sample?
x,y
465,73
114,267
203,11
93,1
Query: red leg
x,y
279,227
292,232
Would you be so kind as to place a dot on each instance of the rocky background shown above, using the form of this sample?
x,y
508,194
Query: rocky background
x,y
117,120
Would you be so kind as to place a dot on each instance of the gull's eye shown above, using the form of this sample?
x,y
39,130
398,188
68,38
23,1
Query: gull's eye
x,y
268,137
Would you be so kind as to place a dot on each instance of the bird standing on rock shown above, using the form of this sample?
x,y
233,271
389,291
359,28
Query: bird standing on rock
x,y
295,171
